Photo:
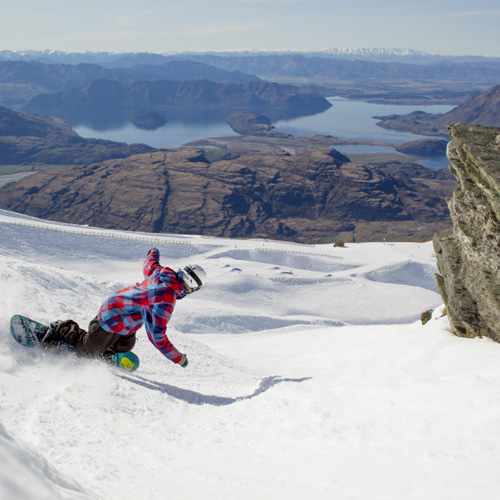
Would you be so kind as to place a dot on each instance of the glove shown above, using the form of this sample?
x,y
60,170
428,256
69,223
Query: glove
x,y
184,361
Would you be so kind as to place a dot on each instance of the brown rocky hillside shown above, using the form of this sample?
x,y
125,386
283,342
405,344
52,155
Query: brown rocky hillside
x,y
483,109
307,197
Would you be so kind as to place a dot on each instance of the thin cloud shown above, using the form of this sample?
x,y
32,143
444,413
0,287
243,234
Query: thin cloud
x,y
476,13
276,1
222,29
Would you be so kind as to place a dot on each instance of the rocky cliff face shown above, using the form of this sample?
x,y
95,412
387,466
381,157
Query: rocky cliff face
x,y
469,254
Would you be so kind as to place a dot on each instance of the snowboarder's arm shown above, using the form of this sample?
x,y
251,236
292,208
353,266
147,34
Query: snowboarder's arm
x,y
152,262
156,328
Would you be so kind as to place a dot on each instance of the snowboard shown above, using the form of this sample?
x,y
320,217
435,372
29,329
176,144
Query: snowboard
x,y
29,332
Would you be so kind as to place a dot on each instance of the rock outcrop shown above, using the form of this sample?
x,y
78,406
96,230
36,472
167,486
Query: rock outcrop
x,y
146,119
423,147
469,254
250,124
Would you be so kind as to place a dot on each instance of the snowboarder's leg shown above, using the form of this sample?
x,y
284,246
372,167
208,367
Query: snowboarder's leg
x,y
116,347
67,331
97,341
93,343
125,343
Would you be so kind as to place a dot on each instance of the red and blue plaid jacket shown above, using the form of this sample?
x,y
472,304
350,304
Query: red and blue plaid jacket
x,y
149,303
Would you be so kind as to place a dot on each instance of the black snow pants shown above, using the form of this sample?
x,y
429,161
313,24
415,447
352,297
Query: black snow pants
x,y
95,343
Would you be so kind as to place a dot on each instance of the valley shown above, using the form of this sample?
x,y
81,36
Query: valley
x,y
264,179
285,187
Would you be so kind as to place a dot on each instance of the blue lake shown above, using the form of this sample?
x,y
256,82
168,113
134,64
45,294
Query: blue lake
x,y
350,119
346,119
174,133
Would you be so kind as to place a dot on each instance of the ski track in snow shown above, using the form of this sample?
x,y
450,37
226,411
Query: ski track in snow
x,y
309,376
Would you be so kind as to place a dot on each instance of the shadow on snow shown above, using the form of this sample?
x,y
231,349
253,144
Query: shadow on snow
x,y
196,398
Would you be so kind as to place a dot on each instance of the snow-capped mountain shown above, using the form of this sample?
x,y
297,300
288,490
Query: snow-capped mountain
x,y
378,54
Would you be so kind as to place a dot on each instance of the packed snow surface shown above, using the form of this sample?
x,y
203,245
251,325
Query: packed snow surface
x,y
310,376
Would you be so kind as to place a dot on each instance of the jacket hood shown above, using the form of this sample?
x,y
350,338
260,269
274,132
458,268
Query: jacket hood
x,y
173,279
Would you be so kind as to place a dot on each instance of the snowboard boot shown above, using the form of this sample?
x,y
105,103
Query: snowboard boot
x,y
63,347
46,336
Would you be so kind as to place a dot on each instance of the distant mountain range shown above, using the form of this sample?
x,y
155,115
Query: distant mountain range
x,y
396,75
61,76
242,67
282,67
22,80
113,100
131,58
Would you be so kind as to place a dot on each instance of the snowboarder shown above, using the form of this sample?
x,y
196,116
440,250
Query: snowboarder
x,y
149,303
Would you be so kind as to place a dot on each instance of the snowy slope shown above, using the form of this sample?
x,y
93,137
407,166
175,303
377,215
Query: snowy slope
x,y
309,376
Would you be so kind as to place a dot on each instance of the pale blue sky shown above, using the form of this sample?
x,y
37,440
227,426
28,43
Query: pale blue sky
x,y
435,26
